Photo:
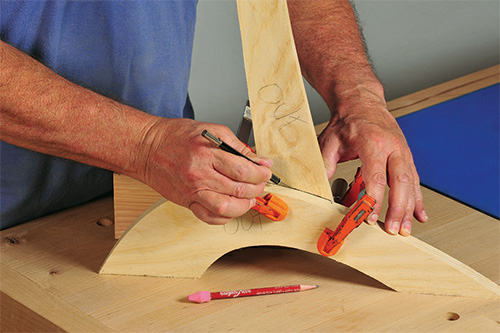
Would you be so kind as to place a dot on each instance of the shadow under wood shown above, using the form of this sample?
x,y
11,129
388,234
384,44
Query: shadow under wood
x,y
285,262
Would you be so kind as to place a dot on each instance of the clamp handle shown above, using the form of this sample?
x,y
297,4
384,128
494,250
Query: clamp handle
x,y
330,241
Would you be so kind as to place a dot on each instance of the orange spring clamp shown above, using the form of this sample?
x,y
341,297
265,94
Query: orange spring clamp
x,y
330,241
272,207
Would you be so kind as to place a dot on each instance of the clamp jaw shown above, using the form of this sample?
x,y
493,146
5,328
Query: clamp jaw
x,y
272,207
330,241
355,189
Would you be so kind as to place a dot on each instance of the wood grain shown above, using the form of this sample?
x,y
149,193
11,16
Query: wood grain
x,y
49,280
59,256
10,308
40,306
282,122
132,198
168,240
444,92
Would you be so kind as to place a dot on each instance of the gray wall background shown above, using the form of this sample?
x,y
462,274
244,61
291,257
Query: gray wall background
x,y
414,44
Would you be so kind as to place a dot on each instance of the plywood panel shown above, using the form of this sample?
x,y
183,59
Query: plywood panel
x,y
168,240
59,255
282,122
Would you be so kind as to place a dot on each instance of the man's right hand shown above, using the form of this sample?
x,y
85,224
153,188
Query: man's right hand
x,y
191,171
44,112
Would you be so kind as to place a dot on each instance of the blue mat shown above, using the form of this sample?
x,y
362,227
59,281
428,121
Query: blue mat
x,y
456,147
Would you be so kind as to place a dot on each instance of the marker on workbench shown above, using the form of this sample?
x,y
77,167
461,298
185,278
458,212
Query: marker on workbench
x,y
224,146
206,296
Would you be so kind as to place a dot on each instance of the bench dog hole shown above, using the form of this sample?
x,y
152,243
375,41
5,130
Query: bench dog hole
x,y
452,316
105,222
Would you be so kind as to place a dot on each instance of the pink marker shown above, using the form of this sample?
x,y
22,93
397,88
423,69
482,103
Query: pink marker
x,y
206,296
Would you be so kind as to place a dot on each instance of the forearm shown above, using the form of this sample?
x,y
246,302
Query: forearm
x,y
42,111
333,60
331,52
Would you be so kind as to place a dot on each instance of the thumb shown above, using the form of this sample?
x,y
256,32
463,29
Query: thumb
x,y
330,166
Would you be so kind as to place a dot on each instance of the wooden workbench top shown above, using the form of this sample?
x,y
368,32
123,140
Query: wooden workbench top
x,y
49,276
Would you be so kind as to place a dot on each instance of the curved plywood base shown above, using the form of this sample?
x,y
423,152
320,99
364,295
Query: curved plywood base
x,y
168,240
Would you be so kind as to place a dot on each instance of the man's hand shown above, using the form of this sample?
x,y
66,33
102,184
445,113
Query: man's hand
x,y
191,171
333,60
44,112
371,133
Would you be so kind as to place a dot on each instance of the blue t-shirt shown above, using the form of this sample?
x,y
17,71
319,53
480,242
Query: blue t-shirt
x,y
137,52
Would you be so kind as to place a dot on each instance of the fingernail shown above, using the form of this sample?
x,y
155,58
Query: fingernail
x,y
425,215
372,219
393,227
253,202
406,228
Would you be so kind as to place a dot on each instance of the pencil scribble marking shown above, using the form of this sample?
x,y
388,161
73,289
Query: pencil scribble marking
x,y
273,94
245,223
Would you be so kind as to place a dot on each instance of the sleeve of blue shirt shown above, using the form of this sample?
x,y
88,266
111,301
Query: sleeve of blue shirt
x,y
137,52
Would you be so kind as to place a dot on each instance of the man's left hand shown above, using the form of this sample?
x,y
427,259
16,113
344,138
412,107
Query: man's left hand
x,y
371,133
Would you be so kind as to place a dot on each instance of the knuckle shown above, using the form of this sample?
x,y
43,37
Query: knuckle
x,y
198,211
241,171
379,179
190,178
201,214
222,208
224,132
403,178
246,151
240,190
419,203
206,215
399,144
419,200
190,175
416,181
398,210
